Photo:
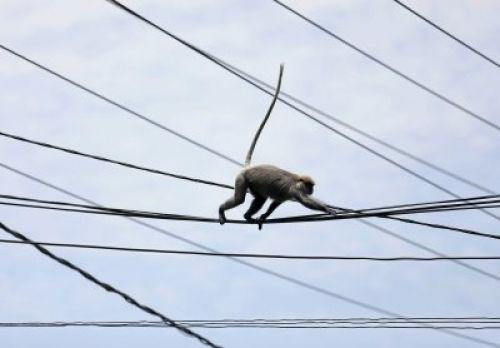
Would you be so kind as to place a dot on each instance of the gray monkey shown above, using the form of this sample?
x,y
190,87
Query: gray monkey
x,y
267,181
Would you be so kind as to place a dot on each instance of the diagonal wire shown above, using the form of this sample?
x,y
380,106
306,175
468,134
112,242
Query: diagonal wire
x,y
109,160
390,68
271,272
447,33
108,287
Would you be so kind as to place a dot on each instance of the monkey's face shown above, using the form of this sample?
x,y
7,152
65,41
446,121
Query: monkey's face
x,y
306,185
309,188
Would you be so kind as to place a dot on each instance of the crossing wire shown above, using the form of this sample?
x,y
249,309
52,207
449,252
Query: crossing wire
x,y
106,286
389,67
253,255
447,33
276,274
294,107
380,212
350,214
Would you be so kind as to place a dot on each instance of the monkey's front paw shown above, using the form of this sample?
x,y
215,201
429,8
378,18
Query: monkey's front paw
x,y
331,211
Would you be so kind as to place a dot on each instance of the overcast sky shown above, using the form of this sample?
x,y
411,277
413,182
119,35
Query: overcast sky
x,y
105,49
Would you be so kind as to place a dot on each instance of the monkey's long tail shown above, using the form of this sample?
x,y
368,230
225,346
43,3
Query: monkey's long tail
x,y
248,159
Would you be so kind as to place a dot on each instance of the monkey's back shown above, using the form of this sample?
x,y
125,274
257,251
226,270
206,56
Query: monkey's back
x,y
270,181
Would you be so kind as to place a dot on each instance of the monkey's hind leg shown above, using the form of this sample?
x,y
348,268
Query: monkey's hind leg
x,y
275,204
240,190
257,203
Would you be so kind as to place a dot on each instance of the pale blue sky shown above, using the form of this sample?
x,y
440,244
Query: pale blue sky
x,y
105,49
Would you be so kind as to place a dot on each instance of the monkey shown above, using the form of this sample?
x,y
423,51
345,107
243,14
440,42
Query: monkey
x,y
270,182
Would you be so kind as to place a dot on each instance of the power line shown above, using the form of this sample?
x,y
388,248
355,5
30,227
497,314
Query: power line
x,y
264,270
218,62
275,274
390,68
350,214
120,106
167,321
109,160
447,33
304,323
491,201
252,255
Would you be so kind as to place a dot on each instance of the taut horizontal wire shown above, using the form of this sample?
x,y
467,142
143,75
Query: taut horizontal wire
x,y
348,213
491,201
347,323
253,255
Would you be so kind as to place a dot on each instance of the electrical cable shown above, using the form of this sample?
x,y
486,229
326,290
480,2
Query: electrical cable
x,y
447,33
108,160
351,214
253,255
321,323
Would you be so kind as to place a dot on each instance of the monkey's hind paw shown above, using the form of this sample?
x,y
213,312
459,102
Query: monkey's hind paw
x,y
249,218
222,219
260,221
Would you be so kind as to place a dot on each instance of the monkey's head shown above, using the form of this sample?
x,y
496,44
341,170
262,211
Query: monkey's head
x,y
306,184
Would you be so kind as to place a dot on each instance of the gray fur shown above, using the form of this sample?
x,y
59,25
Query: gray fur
x,y
267,181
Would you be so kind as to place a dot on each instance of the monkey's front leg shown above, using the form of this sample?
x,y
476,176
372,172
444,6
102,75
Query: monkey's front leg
x,y
272,207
